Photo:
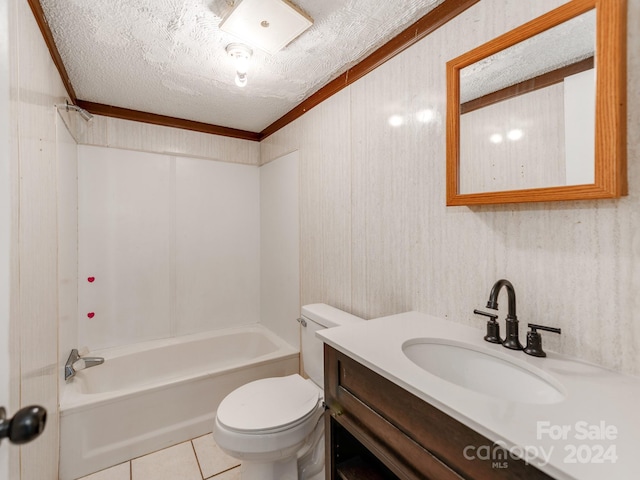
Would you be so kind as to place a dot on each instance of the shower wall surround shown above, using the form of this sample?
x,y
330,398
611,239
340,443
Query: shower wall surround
x,y
280,247
67,153
377,239
145,137
167,246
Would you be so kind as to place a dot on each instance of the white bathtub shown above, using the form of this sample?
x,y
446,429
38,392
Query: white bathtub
x,y
149,396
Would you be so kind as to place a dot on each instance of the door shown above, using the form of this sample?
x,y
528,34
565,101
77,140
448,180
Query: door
x,y
23,425
5,217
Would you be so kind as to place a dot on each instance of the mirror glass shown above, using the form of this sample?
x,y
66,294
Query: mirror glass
x,y
527,113
539,113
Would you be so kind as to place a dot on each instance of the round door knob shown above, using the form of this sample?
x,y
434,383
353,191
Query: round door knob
x,y
27,424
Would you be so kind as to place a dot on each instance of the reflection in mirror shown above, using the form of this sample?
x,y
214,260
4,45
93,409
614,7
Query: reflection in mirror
x,y
539,113
527,113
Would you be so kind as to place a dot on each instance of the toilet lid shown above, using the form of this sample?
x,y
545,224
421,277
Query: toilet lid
x,y
270,404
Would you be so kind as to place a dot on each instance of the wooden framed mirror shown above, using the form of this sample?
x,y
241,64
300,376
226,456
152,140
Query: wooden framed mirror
x,y
539,113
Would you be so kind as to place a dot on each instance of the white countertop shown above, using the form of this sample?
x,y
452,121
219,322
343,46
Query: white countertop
x,y
598,402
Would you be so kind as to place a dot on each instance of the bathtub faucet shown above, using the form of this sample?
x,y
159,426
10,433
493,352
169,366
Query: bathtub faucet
x,y
75,362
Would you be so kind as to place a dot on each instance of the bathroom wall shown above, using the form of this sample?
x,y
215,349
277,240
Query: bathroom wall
x,y
67,213
168,246
280,247
35,88
377,238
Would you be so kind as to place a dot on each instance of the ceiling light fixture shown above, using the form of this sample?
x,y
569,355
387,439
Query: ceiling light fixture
x,y
269,25
241,55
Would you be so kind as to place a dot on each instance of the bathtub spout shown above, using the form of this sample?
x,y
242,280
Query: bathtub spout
x,y
87,362
75,362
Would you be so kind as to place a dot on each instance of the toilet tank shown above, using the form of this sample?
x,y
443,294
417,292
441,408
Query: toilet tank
x,y
316,317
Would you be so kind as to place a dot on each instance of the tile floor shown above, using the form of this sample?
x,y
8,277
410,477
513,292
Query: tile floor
x,y
197,459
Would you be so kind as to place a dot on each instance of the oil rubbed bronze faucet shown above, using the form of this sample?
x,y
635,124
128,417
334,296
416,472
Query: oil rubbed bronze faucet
x,y
534,340
512,340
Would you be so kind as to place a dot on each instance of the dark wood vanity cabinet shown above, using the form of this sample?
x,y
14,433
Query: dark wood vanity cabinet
x,y
377,430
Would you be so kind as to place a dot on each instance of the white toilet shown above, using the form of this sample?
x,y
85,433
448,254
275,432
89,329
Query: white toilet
x,y
274,425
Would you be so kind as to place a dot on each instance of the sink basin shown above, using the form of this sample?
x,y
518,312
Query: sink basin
x,y
482,371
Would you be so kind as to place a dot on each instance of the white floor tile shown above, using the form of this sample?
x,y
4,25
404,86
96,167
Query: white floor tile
x,y
119,472
173,463
212,460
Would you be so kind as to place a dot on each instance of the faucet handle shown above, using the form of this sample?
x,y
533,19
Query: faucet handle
x,y
534,340
493,327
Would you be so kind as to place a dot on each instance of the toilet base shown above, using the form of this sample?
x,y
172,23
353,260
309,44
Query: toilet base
x,y
308,464
287,469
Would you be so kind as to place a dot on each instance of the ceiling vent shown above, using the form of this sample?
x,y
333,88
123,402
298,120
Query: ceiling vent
x,y
269,25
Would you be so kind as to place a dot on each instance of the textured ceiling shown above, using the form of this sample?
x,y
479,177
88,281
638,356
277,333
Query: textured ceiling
x,y
168,56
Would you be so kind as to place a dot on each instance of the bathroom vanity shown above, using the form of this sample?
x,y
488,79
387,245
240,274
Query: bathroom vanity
x,y
379,430
387,417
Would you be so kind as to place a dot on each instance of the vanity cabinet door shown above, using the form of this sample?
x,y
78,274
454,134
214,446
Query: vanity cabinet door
x,y
413,439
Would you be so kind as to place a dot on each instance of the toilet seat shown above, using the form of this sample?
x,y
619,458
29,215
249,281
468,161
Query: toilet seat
x,y
269,405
